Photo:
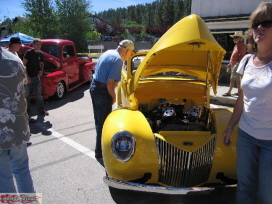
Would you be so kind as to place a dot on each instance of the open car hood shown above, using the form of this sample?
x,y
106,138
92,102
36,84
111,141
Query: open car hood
x,y
187,47
51,62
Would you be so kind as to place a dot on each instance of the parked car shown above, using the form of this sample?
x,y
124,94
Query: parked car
x,y
64,70
164,137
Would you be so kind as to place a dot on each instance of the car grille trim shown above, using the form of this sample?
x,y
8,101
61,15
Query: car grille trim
x,y
180,168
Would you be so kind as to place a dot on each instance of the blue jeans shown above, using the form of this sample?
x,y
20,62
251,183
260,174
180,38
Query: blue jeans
x,y
102,107
254,169
14,162
36,85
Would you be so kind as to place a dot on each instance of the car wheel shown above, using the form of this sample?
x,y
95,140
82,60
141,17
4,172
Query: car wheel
x,y
60,91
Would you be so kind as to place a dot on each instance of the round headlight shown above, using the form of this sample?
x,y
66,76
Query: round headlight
x,y
123,146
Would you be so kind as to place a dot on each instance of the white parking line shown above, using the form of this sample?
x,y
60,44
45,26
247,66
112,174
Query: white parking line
x,y
68,141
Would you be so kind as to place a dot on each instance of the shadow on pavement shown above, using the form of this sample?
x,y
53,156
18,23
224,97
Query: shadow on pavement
x,y
226,196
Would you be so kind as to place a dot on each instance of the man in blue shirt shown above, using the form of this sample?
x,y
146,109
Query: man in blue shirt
x,y
107,73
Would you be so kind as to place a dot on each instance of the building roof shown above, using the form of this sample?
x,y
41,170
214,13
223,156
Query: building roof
x,y
226,24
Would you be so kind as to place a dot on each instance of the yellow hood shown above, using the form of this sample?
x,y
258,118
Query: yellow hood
x,y
187,47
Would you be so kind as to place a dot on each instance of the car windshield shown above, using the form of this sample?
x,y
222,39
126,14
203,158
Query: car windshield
x,y
51,49
178,75
136,61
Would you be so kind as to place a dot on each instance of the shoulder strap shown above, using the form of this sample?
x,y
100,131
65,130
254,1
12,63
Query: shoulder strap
x,y
246,62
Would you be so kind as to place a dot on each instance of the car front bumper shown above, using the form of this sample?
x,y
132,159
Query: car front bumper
x,y
125,185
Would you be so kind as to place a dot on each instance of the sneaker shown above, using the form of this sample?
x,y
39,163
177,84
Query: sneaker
x,y
31,120
44,112
28,144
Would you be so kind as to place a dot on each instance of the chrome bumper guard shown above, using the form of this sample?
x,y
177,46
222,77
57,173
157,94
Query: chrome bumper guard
x,y
125,185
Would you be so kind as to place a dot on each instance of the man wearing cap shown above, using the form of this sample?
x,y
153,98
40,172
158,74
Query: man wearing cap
x,y
107,73
14,45
238,53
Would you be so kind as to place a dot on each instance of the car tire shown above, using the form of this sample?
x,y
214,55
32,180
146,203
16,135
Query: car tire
x,y
60,91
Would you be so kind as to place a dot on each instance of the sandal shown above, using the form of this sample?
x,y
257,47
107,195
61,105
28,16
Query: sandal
x,y
226,94
236,94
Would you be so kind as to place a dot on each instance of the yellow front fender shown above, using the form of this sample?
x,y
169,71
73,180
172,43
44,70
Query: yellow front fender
x,y
145,158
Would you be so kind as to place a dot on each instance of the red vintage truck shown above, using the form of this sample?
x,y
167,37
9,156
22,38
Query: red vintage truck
x,y
64,70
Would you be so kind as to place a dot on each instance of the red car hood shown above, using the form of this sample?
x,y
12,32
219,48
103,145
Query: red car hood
x,y
47,57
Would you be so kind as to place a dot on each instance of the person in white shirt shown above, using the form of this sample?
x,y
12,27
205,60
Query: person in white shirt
x,y
253,111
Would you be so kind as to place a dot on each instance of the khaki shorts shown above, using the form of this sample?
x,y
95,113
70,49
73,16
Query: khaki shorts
x,y
234,75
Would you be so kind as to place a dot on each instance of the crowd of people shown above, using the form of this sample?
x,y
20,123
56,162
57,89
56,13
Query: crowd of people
x,y
252,73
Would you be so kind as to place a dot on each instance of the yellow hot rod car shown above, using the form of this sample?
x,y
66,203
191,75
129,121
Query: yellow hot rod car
x,y
164,137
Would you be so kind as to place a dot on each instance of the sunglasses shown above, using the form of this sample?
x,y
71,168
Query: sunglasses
x,y
265,24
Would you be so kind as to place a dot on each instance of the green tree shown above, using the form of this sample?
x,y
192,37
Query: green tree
x,y
8,23
186,7
178,7
158,15
41,18
23,27
167,13
74,23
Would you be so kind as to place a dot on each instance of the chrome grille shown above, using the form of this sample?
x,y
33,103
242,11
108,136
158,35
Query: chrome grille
x,y
179,168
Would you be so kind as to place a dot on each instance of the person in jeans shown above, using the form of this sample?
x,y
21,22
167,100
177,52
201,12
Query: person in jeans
x,y
14,129
253,110
34,62
107,73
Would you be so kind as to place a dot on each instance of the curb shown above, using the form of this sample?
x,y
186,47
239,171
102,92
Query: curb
x,y
221,100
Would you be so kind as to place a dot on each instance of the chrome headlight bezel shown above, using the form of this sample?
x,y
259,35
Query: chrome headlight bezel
x,y
123,145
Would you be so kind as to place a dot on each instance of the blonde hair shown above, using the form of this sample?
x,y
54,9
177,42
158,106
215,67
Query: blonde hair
x,y
261,13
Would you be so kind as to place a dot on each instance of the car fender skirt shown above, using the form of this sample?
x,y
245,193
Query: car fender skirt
x,y
126,185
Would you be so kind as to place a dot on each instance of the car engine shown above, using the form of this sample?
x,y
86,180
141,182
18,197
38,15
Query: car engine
x,y
175,117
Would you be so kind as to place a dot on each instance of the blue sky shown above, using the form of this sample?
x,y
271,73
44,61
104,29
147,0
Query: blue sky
x,y
12,8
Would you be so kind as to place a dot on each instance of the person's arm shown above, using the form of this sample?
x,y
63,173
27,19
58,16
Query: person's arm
x,y
25,62
234,56
111,89
235,117
241,47
41,64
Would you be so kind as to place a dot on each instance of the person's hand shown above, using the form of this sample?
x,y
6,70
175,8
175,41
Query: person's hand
x,y
28,80
40,73
226,136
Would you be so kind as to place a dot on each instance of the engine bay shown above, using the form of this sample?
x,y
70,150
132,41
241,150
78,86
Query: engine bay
x,y
175,117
